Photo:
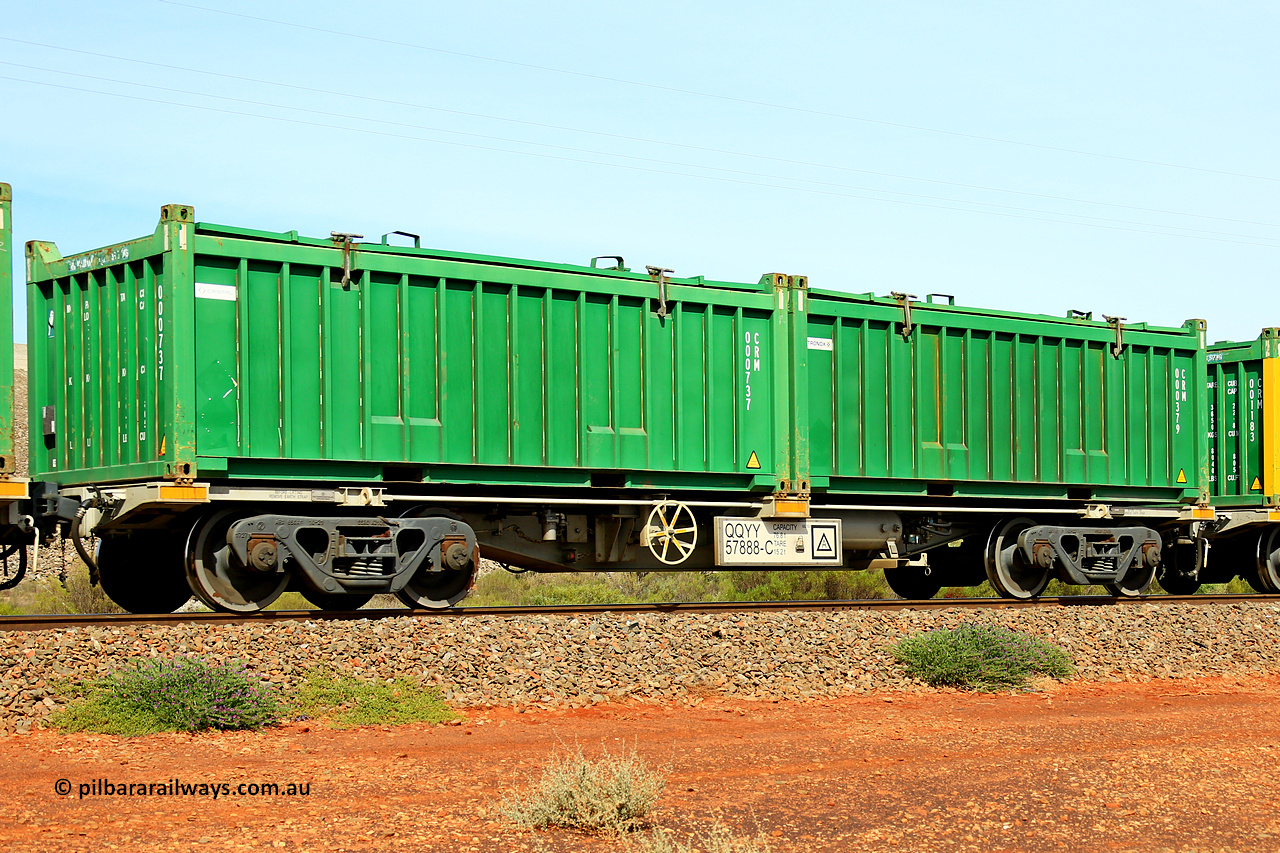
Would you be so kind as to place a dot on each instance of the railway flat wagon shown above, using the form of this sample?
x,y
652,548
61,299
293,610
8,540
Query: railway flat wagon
x,y
1243,385
179,378
259,411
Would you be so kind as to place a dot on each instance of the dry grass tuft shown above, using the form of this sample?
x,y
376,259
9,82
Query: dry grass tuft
x,y
610,794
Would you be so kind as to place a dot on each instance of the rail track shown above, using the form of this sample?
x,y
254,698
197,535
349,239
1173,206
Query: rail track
x,y
47,622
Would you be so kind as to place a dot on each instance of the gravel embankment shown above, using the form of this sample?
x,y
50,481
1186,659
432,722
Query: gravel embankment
x,y
542,661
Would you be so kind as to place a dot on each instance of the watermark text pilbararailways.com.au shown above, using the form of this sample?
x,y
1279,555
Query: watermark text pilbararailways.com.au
x,y
177,788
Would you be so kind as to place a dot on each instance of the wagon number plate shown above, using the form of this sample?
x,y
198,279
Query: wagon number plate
x,y
778,542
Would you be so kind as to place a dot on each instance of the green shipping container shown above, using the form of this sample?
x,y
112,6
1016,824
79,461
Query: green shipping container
x,y
969,402
208,352
7,458
1244,421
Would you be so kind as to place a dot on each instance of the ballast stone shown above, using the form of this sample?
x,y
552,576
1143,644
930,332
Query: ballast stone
x,y
557,661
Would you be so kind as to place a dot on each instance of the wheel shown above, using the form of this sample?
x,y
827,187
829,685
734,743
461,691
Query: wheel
x,y
428,590
143,573
671,523
1135,582
912,583
1268,560
13,565
436,590
1008,569
1178,573
335,601
1250,576
218,578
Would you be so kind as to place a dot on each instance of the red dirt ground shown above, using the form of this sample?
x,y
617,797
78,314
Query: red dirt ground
x,y
1175,765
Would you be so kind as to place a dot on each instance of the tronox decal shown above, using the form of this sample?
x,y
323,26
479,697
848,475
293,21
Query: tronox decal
x,y
207,290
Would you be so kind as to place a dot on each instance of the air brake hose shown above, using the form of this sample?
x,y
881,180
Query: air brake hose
x,y
79,543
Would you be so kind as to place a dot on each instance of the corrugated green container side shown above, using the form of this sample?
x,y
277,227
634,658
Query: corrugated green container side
x,y
1244,420
250,350
7,458
994,404
106,349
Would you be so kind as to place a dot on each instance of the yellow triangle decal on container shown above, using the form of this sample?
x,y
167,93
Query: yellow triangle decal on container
x,y
1182,476
1257,485
754,461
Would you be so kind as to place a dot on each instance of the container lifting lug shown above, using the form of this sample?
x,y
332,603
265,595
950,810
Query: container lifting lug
x,y
417,238
620,265
904,299
1115,322
660,275
345,239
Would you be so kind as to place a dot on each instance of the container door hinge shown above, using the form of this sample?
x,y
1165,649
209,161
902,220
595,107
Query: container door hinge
x,y
659,275
904,299
1115,322
347,252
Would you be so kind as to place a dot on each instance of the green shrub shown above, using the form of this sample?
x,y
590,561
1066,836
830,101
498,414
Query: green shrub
x,y
610,794
499,588
187,694
290,601
347,701
980,658
70,593
837,585
108,714
503,589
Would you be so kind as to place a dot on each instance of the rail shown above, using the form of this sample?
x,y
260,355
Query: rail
x,y
54,621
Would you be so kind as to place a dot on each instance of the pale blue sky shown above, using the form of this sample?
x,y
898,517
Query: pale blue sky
x,y
1119,157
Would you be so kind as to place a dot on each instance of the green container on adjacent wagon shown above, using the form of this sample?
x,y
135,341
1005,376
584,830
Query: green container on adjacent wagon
x,y
933,399
7,449
1244,421
210,352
